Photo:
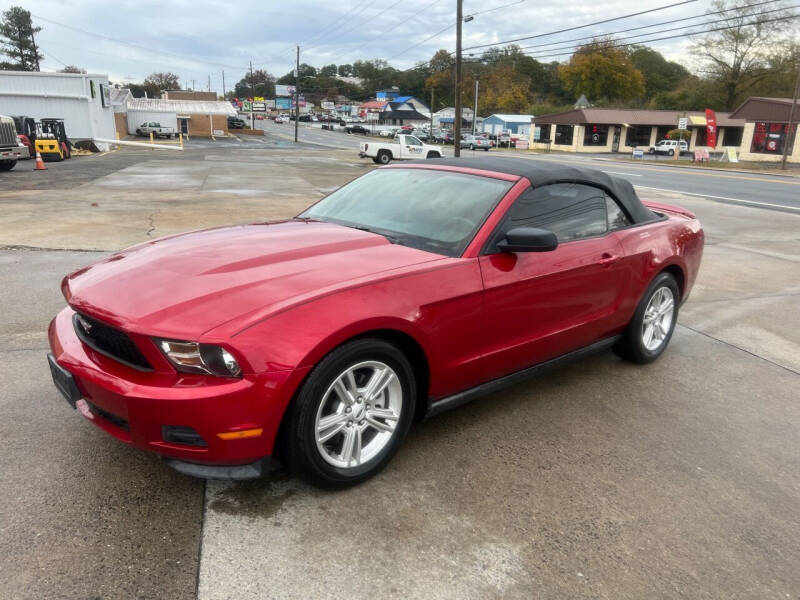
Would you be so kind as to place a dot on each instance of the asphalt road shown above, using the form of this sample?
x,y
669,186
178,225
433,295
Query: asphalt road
x,y
769,191
679,479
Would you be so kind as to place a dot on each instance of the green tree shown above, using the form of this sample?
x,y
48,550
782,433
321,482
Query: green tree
x,y
603,72
17,40
328,71
261,84
345,70
155,83
737,58
660,74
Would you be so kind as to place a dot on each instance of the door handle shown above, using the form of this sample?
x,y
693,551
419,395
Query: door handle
x,y
608,259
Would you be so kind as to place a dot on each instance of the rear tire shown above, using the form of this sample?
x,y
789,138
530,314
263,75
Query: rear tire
x,y
318,452
671,152
384,157
653,323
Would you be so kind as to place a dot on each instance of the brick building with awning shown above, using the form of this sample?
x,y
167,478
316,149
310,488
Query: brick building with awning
x,y
767,129
623,129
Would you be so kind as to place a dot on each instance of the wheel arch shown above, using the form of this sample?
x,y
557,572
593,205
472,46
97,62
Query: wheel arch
x,y
400,338
678,273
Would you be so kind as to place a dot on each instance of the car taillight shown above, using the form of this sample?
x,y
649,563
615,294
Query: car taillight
x,y
366,147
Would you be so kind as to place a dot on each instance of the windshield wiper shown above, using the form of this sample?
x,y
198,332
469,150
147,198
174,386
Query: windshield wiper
x,y
392,238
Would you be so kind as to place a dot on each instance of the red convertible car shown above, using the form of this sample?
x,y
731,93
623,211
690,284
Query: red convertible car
x,y
409,291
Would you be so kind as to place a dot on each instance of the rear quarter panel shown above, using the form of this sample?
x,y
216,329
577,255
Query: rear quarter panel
x,y
675,241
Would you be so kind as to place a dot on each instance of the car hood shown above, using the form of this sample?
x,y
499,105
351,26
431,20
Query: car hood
x,y
185,285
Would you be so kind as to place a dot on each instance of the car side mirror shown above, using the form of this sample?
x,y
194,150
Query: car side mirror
x,y
528,239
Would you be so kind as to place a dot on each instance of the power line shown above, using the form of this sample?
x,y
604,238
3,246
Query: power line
x,y
669,37
488,10
629,37
133,45
628,16
590,37
441,31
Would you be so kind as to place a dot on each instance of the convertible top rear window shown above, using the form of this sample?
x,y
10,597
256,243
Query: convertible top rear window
x,y
438,211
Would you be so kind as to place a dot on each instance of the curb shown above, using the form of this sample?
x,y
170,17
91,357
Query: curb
x,y
654,163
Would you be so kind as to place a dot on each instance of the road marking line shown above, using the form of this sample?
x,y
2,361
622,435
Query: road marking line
x,y
628,174
753,202
640,167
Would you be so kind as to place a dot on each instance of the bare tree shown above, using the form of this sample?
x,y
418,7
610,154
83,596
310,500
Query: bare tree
x,y
72,69
737,58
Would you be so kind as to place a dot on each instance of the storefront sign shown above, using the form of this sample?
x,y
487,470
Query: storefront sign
x,y
283,103
732,157
258,99
259,106
683,123
638,153
328,105
247,106
284,90
219,132
701,154
521,144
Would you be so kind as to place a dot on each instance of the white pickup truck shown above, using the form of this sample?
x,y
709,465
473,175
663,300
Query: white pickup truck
x,y
156,129
402,147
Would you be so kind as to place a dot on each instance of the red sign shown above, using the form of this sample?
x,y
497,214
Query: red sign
x,y
711,128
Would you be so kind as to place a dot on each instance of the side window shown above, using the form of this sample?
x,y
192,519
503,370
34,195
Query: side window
x,y
617,219
412,141
570,210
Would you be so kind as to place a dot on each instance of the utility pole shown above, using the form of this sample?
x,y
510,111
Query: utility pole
x,y
475,111
457,119
297,94
791,123
223,84
209,82
252,95
431,132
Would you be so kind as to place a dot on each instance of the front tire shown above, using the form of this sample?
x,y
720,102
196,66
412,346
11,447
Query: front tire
x,y
352,413
650,330
7,165
433,155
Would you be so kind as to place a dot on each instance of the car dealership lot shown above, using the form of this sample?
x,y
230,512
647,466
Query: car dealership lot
x,y
600,479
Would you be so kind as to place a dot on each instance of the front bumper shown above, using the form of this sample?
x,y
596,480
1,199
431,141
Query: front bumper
x,y
136,406
16,153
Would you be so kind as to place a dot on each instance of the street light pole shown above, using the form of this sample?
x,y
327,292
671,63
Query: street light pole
x,y
791,121
457,119
475,110
297,94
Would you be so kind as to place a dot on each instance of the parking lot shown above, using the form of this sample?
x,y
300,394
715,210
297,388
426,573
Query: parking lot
x,y
598,480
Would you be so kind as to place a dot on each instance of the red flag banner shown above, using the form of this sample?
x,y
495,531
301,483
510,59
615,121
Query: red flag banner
x,y
711,128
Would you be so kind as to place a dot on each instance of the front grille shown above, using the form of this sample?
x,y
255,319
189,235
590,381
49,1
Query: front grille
x,y
109,341
8,134
113,419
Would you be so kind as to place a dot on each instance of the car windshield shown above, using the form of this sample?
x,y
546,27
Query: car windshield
x,y
437,211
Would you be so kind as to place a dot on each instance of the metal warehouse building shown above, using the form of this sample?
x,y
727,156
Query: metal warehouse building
x,y
83,101
519,124
191,117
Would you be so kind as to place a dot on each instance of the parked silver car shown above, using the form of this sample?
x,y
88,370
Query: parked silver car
x,y
474,142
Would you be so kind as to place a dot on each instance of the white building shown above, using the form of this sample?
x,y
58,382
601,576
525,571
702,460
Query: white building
x,y
446,116
83,101
190,117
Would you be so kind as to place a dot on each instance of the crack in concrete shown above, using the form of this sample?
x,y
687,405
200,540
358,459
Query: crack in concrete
x,y
151,222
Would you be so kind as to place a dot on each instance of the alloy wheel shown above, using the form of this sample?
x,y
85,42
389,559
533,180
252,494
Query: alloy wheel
x,y
358,414
657,319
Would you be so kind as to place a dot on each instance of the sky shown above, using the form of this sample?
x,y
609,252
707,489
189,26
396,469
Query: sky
x,y
198,39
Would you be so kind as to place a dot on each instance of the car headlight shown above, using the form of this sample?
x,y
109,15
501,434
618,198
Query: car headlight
x,y
193,357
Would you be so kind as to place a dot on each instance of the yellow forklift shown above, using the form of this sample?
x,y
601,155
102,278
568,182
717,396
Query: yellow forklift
x,y
51,140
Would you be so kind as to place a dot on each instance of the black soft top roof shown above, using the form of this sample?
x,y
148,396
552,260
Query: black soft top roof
x,y
540,173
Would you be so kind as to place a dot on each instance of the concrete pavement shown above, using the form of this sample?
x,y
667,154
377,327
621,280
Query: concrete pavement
x,y
599,480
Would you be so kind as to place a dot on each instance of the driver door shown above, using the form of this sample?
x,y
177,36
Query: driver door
x,y
539,305
410,147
